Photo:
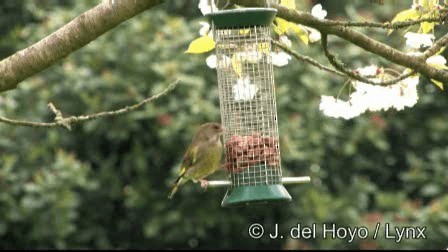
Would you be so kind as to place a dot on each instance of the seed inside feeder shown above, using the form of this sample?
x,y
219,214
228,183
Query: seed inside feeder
x,y
242,152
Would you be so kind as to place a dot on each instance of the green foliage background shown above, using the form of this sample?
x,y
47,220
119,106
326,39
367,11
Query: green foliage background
x,y
104,184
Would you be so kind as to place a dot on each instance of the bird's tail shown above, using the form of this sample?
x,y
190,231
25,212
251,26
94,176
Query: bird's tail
x,y
176,185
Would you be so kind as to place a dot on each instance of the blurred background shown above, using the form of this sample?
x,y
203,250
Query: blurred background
x,y
104,184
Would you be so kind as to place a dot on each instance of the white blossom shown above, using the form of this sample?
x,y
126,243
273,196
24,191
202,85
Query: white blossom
x,y
318,12
368,97
280,58
436,60
416,40
223,62
377,98
207,6
371,70
250,55
205,28
336,108
285,40
314,35
244,90
211,61
408,96
371,97
381,97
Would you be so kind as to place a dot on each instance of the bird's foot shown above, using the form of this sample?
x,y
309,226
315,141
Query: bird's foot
x,y
204,184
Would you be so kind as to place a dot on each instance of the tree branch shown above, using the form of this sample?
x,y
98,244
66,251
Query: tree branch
x,y
307,59
350,73
79,32
442,42
67,122
416,63
387,25
343,71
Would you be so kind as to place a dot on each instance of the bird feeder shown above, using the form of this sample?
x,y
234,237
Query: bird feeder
x,y
248,106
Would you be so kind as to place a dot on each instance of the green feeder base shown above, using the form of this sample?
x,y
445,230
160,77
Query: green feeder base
x,y
243,195
242,17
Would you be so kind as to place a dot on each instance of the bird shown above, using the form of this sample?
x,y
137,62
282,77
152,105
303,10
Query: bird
x,y
202,157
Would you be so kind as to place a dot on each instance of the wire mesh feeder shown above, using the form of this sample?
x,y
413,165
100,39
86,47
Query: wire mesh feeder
x,y
248,106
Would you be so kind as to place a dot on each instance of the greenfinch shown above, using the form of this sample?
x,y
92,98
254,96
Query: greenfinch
x,y
203,156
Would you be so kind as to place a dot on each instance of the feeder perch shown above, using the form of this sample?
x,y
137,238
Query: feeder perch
x,y
248,106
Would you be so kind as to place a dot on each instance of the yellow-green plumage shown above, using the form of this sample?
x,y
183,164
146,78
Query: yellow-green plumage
x,y
202,157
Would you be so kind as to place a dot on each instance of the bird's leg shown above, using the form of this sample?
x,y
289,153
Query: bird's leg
x,y
204,184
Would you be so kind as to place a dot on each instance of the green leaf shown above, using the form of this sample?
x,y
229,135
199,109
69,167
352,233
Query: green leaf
x,y
263,47
244,31
441,50
427,27
284,27
277,30
410,14
428,4
237,65
201,45
438,66
301,33
437,83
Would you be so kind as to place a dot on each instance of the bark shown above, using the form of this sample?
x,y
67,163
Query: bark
x,y
79,32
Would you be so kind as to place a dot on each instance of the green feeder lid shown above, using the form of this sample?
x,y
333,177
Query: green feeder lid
x,y
243,195
243,17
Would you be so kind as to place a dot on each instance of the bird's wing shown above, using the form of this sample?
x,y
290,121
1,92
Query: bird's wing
x,y
207,160
189,159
